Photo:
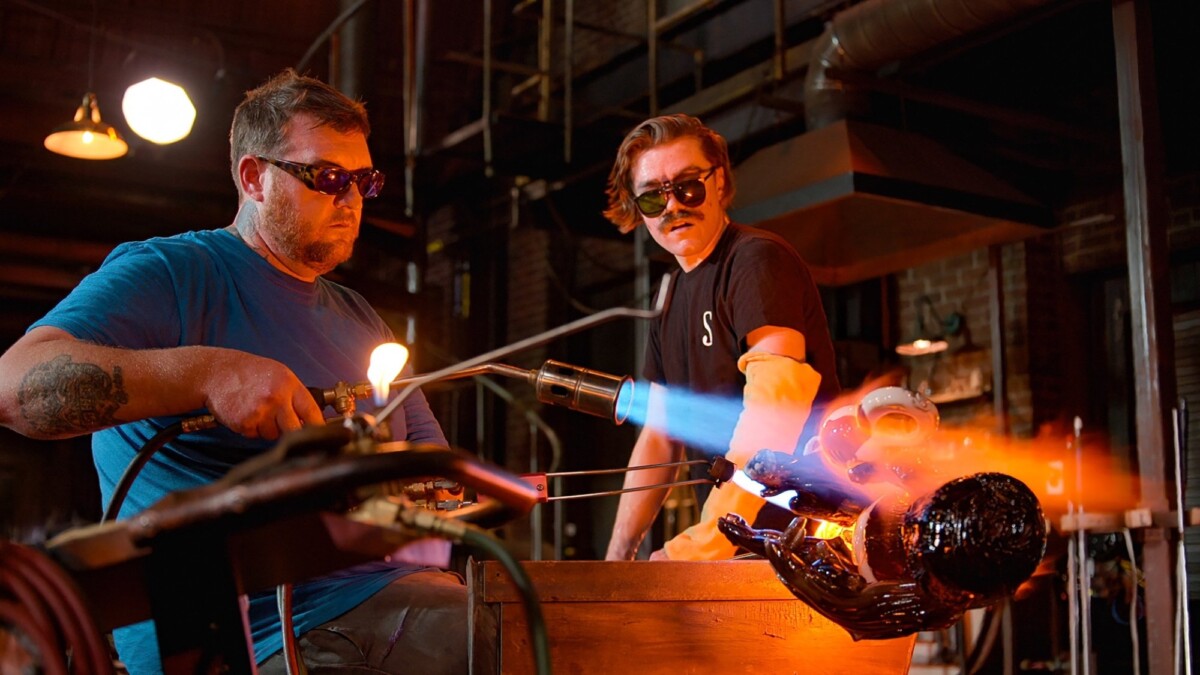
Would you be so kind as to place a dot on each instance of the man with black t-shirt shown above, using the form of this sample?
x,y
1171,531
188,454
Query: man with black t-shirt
x,y
744,321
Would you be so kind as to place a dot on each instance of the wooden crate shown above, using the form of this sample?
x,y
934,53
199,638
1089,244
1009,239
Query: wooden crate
x,y
664,617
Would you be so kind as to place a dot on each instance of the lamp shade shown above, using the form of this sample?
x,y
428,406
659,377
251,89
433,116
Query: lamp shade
x,y
158,111
87,136
926,341
921,346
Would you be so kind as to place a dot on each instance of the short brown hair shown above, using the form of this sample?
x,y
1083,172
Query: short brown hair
x,y
261,119
622,211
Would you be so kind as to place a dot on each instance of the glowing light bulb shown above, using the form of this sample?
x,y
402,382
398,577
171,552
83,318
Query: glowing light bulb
x,y
158,111
387,361
922,344
88,137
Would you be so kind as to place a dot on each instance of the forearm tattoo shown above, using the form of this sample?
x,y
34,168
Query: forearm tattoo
x,y
64,397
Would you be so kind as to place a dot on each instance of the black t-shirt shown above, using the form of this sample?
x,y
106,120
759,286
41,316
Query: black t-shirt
x,y
753,278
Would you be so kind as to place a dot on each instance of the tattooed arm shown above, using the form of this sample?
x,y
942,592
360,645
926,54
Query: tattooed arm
x,y
55,386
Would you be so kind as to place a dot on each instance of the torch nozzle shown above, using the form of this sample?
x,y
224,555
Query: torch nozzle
x,y
585,390
561,384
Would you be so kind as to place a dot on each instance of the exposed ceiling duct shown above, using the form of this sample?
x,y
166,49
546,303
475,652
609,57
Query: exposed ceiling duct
x,y
860,200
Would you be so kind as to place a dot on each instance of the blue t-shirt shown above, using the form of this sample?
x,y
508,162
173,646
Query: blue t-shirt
x,y
209,288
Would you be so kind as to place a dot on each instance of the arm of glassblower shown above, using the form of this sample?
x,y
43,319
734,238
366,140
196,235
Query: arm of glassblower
x,y
778,398
341,396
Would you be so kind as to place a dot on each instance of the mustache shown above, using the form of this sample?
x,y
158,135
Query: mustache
x,y
682,214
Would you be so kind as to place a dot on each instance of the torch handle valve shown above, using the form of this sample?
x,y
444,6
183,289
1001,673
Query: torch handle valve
x,y
341,396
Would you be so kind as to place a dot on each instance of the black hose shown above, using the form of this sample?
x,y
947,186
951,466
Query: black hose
x,y
144,454
156,443
480,539
135,467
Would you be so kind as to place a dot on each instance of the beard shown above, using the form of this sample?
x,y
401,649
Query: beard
x,y
294,237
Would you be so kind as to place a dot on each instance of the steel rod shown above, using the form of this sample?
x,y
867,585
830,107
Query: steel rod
x,y
609,493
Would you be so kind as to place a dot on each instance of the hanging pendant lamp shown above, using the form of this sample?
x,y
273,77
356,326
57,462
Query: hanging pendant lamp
x,y
87,136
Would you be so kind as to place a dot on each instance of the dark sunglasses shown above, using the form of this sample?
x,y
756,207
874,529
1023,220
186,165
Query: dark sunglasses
x,y
332,180
687,192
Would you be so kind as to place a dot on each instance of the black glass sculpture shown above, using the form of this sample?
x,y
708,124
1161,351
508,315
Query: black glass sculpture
x,y
905,558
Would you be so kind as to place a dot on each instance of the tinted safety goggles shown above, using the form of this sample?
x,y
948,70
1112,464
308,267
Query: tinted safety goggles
x,y
332,180
689,192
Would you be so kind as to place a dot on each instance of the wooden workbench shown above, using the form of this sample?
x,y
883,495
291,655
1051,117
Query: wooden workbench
x,y
664,617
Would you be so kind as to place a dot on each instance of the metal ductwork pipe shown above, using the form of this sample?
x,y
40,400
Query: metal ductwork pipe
x,y
874,33
349,44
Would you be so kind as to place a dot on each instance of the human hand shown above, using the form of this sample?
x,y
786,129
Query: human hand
x,y
255,396
660,554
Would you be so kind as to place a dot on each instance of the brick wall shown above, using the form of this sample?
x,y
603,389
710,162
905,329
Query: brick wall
x,y
1049,385
962,284
1038,273
1093,233
528,314
549,278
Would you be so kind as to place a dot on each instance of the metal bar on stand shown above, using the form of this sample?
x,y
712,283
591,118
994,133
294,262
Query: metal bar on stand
x,y
1083,577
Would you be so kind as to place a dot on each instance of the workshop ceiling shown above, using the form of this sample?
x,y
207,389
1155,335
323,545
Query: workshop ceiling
x,y
1031,101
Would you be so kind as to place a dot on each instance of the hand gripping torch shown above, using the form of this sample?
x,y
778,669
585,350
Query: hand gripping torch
x,y
341,396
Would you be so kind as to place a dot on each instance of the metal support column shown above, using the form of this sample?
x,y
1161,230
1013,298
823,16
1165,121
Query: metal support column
x,y
1153,343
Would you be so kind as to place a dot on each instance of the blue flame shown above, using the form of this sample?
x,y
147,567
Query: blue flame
x,y
704,422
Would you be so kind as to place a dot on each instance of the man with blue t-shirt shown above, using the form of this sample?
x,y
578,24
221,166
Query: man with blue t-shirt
x,y
238,322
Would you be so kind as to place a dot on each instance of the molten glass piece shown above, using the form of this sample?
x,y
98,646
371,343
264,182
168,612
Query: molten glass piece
x,y
910,558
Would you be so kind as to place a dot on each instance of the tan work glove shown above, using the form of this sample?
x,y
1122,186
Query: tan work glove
x,y
777,400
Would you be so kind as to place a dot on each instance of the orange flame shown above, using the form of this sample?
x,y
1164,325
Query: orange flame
x,y
1063,473
387,360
